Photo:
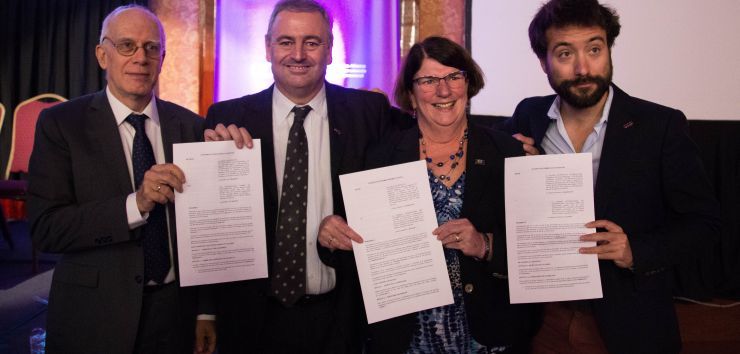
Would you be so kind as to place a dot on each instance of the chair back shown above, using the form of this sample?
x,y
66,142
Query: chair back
x,y
2,117
24,125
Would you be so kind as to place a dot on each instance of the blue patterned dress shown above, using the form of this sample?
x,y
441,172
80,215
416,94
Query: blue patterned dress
x,y
445,329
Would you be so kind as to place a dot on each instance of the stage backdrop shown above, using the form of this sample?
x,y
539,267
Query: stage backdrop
x,y
365,52
681,53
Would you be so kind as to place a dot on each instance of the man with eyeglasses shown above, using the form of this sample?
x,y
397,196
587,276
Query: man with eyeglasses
x,y
308,304
100,193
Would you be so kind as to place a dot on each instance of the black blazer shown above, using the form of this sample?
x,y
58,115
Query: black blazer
x,y
78,184
493,320
356,119
652,183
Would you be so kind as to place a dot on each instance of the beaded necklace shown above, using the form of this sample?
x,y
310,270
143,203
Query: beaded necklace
x,y
454,157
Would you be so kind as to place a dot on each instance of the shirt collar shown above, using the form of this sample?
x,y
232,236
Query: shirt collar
x,y
554,112
120,111
282,106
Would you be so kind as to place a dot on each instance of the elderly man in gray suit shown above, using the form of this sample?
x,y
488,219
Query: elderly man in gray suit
x,y
101,188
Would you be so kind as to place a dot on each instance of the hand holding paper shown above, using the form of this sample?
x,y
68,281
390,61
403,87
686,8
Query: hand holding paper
x,y
612,244
334,233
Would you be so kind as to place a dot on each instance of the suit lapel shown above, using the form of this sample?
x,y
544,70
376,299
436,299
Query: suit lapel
x,y
103,133
407,149
259,115
477,174
336,104
170,127
620,134
540,122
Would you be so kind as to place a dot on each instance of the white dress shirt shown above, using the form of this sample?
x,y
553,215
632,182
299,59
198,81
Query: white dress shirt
x,y
154,133
319,277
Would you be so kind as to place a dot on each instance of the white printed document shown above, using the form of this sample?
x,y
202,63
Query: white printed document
x,y
549,199
401,264
220,213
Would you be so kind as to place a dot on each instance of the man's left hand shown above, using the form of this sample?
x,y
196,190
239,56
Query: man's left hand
x,y
612,244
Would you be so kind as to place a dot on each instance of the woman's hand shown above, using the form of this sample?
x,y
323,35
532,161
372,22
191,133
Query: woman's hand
x,y
460,234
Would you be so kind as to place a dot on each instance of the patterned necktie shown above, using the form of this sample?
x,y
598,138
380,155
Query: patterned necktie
x,y
154,232
289,259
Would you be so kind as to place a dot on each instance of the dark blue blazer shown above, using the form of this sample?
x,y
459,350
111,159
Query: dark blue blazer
x,y
652,183
356,119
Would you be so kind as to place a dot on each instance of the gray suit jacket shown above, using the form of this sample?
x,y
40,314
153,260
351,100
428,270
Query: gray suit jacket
x,y
78,184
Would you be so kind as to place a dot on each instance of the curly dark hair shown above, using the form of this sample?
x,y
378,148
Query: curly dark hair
x,y
562,13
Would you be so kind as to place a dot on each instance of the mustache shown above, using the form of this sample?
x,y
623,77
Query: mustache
x,y
584,80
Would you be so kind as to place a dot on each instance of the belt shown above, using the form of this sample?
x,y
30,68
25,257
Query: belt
x,y
148,289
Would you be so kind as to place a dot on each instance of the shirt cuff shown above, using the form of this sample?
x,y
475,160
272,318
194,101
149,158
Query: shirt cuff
x,y
205,317
135,218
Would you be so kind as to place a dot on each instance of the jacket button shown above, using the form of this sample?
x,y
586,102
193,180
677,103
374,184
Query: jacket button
x,y
468,288
139,279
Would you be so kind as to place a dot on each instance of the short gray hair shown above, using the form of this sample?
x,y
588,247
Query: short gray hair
x,y
120,9
301,6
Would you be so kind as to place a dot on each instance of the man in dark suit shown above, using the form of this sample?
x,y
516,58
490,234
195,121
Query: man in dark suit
x,y
100,193
654,204
306,305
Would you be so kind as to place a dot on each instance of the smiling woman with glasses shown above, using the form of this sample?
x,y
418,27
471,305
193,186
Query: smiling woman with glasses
x,y
465,171
430,83
127,48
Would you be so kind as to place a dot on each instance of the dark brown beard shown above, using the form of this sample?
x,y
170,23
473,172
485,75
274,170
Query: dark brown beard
x,y
583,100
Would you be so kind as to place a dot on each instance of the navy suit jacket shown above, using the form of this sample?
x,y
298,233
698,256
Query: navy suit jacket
x,y
652,183
356,119
493,320
78,184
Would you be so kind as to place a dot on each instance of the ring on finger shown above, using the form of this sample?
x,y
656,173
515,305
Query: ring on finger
x,y
457,237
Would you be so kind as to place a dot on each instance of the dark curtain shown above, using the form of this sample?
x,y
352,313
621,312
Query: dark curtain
x,y
49,48
716,272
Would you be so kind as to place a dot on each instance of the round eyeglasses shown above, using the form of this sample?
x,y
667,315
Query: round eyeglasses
x,y
430,83
127,48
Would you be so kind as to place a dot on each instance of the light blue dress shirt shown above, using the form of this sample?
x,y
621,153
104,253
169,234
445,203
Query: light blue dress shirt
x,y
556,140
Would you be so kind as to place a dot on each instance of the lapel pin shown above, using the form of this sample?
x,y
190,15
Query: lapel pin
x,y
339,132
480,162
628,124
